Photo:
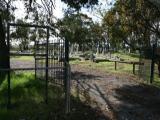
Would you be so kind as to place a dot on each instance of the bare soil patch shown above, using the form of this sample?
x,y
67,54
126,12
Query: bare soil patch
x,y
119,96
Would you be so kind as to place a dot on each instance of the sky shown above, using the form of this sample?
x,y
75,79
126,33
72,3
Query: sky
x,y
20,12
58,11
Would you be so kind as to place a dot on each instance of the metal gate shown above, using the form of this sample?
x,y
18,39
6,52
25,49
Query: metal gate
x,y
52,54
51,62
54,60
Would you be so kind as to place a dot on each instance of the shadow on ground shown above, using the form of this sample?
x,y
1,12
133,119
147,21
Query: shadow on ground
x,y
125,102
28,97
83,76
141,102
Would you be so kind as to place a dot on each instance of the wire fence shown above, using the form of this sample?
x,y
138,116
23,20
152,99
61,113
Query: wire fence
x,y
151,62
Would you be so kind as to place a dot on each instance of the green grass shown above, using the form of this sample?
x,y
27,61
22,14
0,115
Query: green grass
x,y
23,58
107,66
156,81
27,101
128,57
27,98
122,68
110,66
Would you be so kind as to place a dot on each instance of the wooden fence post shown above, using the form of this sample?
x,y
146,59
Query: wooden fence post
x,y
134,68
115,65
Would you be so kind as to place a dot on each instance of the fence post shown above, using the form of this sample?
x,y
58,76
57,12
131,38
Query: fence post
x,y
8,79
46,87
152,64
66,80
115,65
35,60
134,68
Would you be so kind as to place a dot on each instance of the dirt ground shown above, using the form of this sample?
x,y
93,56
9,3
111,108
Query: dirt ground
x,y
119,96
22,63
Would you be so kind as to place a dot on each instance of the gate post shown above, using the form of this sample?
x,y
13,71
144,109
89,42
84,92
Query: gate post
x,y
152,64
46,87
8,79
35,59
66,80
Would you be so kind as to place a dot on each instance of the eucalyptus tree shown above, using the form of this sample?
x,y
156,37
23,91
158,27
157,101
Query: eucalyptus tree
x,y
22,35
144,19
115,33
78,4
133,21
75,28
96,31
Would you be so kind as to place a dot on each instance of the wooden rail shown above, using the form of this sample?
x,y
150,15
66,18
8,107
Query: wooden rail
x,y
118,61
128,62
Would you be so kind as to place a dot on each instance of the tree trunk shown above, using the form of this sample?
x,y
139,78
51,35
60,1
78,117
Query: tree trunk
x,y
3,52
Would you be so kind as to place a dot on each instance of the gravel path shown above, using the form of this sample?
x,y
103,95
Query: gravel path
x,y
121,97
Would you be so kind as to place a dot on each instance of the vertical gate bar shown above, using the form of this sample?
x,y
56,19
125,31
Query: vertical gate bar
x,y
63,60
35,52
61,76
43,51
49,62
59,55
59,62
59,70
46,88
62,49
63,45
152,64
54,63
67,90
8,79
57,73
